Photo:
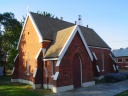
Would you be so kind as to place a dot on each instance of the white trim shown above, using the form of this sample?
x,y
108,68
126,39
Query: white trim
x,y
22,81
26,82
47,41
80,68
126,66
50,59
16,57
58,63
117,67
111,56
44,50
37,55
97,67
35,86
99,78
99,47
13,70
95,56
117,60
62,89
35,27
22,30
114,67
66,45
48,86
35,71
55,76
86,84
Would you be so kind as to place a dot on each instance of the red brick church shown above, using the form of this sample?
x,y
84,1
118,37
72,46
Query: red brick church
x,y
59,55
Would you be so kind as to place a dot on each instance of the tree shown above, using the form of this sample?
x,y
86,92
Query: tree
x,y
47,14
9,36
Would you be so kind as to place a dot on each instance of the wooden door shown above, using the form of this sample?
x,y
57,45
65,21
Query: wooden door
x,y
76,72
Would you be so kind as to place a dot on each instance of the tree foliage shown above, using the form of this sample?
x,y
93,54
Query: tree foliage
x,y
9,36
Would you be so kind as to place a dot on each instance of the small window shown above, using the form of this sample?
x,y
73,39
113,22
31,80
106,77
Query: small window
x,y
126,60
53,67
119,60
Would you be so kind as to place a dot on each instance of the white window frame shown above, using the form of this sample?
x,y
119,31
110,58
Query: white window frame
x,y
117,60
125,60
102,61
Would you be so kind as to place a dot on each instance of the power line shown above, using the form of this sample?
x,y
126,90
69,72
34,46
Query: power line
x,y
118,41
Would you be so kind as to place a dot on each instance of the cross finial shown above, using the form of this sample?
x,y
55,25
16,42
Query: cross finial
x,y
27,8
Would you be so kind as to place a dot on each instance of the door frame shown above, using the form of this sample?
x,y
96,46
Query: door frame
x,y
80,67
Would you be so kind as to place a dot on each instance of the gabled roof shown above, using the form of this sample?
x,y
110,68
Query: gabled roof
x,y
62,42
46,28
49,26
57,45
120,52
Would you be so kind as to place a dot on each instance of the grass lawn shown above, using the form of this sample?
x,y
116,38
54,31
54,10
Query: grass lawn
x,y
99,81
125,93
18,89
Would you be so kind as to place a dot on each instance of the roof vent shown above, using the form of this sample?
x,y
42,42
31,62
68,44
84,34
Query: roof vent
x,y
121,48
61,18
75,22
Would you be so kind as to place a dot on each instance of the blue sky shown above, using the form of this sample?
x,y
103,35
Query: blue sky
x,y
109,18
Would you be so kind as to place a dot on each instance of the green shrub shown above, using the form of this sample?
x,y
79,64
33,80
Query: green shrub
x,y
116,77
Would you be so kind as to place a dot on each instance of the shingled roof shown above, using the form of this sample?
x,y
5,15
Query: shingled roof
x,y
122,52
56,46
49,26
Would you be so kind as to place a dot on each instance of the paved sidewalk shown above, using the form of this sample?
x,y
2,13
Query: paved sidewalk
x,y
105,89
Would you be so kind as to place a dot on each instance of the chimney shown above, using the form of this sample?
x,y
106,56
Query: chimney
x,y
87,26
61,18
75,22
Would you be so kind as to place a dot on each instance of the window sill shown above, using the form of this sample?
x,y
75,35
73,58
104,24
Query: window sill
x,y
102,70
52,76
28,74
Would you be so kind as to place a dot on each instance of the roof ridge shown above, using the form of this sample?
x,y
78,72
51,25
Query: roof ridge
x,y
53,18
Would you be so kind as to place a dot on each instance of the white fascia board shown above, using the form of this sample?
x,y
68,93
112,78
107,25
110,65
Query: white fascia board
x,y
114,67
38,53
22,30
16,57
13,70
58,63
55,76
97,67
62,52
111,56
35,26
50,59
95,56
35,71
100,47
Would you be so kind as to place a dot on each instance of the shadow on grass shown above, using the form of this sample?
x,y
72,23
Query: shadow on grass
x,y
19,89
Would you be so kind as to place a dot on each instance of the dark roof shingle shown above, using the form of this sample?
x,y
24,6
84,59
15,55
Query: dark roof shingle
x,y
49,26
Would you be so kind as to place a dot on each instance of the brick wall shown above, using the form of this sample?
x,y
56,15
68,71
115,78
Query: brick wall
x,y
29,44
65,69
108,65
123,64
